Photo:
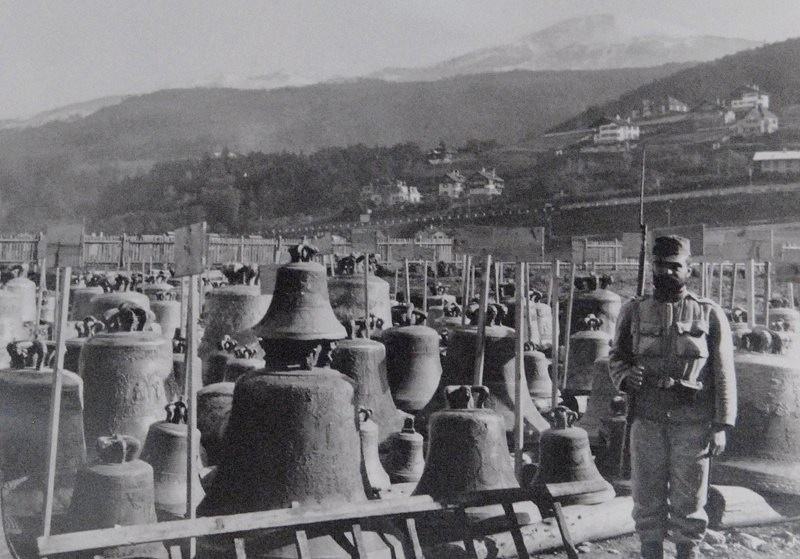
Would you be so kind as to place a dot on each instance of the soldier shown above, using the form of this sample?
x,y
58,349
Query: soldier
x,y
673,355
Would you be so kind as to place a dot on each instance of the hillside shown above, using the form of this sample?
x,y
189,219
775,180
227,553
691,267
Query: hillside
x,y
773,67
52,171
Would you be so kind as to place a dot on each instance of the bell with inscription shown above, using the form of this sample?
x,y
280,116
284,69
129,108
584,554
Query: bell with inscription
x,y
116,491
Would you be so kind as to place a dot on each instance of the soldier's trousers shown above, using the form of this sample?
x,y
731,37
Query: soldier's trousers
x,y
669,473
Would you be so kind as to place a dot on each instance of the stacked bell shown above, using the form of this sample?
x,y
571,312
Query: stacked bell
x,y
80,300
598,408
537,373
763,451
214,403
165,450
413,365
244,360
739,325
407,458
467,452
593,297
293,435
364,361
124,369
167,310
25,290
567,465
24,402
499,373
116,491
234,311
347,297
10,322
587,345
103,302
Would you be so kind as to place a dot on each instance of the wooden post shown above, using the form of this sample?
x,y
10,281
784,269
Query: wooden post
x,y
472,282
527,288
554,305
193,383
751,293
767,291
241,249
704,279
733,284
568,325
366,296
790,289
464,289
519,377
481,342
407,280
396,283
81,251
721,276
497,282
40,295
55,400
425,286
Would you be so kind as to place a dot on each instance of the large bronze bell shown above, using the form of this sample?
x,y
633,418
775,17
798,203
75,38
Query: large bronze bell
x,y
124,373
167,310
413,365
537,373
301,307
603,392
25,290
587,345
233,310
467,452
499,373
118,490
347,297
24,403
364,361
763,451
80,301
104,302
214,404
165,450
592,296
567,461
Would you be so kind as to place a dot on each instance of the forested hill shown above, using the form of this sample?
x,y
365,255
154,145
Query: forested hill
x,y
58,170
775,68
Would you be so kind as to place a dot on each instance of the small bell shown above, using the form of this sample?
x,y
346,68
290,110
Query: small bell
x,y
214,404
540,385
408,462
116,491
567,461
165,450
377,478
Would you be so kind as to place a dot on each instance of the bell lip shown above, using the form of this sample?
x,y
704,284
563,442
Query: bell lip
x,y
321,336
223,387
32,377
495,331
411,330
236,290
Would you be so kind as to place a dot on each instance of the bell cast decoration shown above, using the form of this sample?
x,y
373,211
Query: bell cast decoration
x,y
118,490
567,462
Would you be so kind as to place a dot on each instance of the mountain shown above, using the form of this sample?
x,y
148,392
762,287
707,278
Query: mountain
x,y
772,67
65,113
586,43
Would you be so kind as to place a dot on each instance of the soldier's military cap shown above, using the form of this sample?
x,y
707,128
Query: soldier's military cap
x,y
669,247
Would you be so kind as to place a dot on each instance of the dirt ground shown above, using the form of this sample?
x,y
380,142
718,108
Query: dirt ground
x,y
780,541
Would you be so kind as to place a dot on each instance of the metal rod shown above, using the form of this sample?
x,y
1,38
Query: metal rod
x,y
193,382
554,306
519,377
366,296
568,326
481,343
55,402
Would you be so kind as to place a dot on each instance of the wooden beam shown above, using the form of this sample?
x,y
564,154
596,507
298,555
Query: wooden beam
x,y
481,342
568,325
218,525
519,376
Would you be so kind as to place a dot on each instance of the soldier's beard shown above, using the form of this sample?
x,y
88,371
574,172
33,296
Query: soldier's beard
x,y
668,286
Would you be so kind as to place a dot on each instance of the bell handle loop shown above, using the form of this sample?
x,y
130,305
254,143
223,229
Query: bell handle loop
x,y
302,252
408,426
458,396
481,394
561,417
118,449
21,350
528,346
364,414
593,322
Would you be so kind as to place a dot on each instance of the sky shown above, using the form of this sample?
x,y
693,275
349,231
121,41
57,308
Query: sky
x,y
57,52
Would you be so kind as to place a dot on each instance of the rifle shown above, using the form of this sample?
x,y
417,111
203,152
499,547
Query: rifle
x,y
639,292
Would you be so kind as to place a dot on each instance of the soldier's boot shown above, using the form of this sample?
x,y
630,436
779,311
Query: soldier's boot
x,y
653,550
687,550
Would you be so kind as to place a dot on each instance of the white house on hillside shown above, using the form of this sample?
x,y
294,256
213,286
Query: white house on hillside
x,y
452,185
778,161
615,131
485,185
749,96
757,122
402,193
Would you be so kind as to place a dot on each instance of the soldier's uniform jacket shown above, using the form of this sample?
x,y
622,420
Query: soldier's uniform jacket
x,y
686,350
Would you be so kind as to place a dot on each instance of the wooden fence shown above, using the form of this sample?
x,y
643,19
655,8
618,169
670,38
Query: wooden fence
x,y
21,249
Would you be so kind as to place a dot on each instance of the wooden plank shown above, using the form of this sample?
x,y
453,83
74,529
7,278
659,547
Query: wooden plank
x,y
413,537
554,289
193,383
301,543
751,293
516,534
568,326
55,400
481,342
469,543
360,550
239,548
519,373
569,545
175,552
217,525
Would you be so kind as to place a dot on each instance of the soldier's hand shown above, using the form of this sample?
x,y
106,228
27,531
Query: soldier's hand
x,y
633,380
719,438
